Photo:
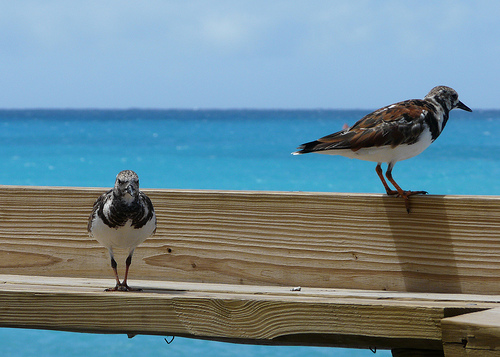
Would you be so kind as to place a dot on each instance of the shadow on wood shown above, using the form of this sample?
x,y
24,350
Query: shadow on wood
x,y
424,245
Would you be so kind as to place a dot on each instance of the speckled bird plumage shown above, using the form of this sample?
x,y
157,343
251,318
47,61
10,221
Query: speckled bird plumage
x,y
123,218
393,133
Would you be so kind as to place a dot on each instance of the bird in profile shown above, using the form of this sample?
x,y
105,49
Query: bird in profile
x,y
122,218
393,133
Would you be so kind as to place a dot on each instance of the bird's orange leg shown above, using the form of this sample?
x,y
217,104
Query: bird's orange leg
x,y
114,265
381,175
121,286
124,285
401,193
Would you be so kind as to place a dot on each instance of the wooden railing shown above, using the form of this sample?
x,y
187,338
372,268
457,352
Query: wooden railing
x,y
352,270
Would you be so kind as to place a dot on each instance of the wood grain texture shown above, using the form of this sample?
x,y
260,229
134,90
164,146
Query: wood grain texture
x,y
236,313
448,244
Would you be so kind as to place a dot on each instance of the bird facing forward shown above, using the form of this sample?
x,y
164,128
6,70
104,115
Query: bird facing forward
x,y
122,218
391,134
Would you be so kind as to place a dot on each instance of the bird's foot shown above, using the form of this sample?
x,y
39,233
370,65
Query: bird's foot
x,y
405,193
411,193
122,287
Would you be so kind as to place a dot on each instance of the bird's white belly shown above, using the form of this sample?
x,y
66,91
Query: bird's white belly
x,y
124,237
386,153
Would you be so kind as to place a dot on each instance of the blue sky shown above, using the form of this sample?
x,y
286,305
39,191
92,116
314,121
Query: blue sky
x,y
245,54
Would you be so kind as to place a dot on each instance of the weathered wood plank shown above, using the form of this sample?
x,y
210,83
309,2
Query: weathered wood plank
x,y
355,241
237,313
474,334
371,275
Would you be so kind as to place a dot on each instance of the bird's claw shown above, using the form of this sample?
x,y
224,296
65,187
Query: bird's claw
x,y
407,194
122,287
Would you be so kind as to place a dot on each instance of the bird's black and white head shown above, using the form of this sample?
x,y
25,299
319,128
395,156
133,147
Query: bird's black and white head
x,y
127,186
447,98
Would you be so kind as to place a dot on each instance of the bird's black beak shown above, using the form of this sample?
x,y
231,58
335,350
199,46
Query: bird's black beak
x,y
131,190
462,106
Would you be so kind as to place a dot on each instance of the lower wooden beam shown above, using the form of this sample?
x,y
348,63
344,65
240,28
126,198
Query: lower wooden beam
x,y
235,313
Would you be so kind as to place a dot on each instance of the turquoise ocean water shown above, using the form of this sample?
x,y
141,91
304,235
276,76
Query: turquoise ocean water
x,y
220,149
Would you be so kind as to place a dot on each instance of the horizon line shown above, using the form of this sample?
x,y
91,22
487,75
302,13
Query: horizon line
x,y
199,109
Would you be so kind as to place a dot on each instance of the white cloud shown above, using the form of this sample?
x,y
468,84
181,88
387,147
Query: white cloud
x,y
234,53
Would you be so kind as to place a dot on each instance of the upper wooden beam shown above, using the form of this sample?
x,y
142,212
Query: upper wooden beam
x,y
447,244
